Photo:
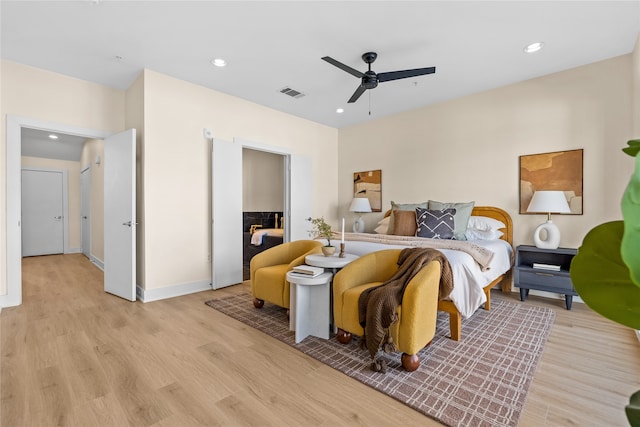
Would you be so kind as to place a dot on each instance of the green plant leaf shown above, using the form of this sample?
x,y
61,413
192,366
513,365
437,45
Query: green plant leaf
x,y
633,410
602,279
630,246
633,148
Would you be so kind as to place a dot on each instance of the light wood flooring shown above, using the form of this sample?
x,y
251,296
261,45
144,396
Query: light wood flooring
x,y
74,355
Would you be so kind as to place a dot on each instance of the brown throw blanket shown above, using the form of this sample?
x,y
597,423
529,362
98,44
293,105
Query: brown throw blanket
x,y
377,306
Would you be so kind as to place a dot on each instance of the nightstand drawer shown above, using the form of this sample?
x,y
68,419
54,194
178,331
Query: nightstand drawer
x,y
544,279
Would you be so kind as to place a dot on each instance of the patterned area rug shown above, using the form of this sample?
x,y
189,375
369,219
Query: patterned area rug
x,y
482,380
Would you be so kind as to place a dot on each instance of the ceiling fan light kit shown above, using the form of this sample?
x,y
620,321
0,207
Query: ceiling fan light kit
x,y
370,79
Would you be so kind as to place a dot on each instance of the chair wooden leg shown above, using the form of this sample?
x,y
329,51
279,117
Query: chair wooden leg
x,y
343,336
258,303
410,362
455,326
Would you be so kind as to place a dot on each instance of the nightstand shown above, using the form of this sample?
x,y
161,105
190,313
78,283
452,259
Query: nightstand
x,y
550,274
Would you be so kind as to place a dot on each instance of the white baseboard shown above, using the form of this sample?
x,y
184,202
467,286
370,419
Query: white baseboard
x,y
638,334
74,251
97,262
148,295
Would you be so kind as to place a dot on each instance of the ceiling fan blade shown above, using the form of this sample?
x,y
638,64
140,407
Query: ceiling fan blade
x,y
395,75
356,94
340,65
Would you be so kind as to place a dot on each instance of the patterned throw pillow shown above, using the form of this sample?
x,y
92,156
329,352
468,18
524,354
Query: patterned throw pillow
x,y
435,224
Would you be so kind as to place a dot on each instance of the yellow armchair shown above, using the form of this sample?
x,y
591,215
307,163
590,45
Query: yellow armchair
x,y
416,325
269,268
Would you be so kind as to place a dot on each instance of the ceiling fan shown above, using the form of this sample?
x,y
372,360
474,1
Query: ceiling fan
x,y
370,79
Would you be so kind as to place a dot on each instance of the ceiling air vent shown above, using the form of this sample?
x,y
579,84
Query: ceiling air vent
x,y
292,92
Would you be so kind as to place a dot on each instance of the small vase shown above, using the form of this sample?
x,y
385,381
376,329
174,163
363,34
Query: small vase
x,y
328,250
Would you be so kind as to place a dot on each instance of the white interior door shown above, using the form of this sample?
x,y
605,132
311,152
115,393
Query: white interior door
x,y
298,193
226,228
120,214
85,211
42,212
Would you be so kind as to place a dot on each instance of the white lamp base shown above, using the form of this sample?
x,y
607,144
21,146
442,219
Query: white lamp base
x,y
553,236
358,225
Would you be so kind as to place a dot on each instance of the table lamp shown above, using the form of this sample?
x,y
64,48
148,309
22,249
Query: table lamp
x,y
359,205
548,202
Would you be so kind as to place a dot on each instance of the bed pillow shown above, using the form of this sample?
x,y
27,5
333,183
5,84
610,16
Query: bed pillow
x,y
485,223
383,225
403,207
435,224
462,215
405,223
472,234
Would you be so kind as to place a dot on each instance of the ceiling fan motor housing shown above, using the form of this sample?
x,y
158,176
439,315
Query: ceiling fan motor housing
x,y
369,80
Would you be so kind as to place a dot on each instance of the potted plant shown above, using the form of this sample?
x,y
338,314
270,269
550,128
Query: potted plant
x,y
322,230
606,270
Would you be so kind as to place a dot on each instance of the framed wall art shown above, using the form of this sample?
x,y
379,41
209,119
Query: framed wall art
x,y
369,184
559,170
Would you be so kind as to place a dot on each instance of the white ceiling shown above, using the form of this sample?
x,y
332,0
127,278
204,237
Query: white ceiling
x,y
475,46
36,143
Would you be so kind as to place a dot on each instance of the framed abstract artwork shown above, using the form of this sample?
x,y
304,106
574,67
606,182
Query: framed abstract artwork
x,y
559,170
369,184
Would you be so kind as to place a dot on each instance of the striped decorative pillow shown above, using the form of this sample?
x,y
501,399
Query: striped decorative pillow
x,y
435,224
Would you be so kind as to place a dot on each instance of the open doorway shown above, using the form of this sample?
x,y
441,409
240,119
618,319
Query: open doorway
x,y
263,191
119,223
69,210
227,206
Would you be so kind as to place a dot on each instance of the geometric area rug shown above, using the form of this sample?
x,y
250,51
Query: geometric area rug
x,y
481,380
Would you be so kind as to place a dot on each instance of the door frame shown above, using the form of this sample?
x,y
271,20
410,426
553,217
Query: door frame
x,y
286,154
86,198
15,124
294,165
65,203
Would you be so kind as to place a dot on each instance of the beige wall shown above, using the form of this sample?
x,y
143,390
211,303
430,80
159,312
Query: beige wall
x,y
73,193
468,149
43,95
262,181
173,157
91,149
176,169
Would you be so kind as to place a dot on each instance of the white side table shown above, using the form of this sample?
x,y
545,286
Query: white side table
x,y
309,305
333,262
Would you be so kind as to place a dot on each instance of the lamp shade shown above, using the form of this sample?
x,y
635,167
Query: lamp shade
x,y
360,204
549,202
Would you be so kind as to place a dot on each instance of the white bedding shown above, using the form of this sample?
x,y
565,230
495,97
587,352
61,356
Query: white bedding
x,y
468,278
256,237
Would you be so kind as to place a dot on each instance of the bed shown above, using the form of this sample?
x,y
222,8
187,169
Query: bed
x,y
472,282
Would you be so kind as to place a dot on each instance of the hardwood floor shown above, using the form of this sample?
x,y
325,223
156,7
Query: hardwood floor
x,y
74,355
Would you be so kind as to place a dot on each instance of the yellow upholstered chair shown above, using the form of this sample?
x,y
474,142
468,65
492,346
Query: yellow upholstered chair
x,y
269,269
416,325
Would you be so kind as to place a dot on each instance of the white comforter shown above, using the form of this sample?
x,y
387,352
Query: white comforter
x,y
468,278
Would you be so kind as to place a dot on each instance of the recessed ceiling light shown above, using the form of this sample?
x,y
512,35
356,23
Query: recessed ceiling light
x,y
533,47
52,136
340,110
219,62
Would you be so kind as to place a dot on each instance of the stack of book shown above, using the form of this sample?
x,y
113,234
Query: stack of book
x,y
541,266
308,270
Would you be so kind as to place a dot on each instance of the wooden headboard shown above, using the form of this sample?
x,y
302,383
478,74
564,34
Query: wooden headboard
x,y
491,212
500,215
